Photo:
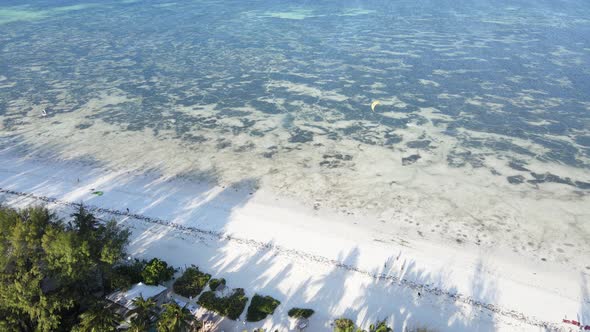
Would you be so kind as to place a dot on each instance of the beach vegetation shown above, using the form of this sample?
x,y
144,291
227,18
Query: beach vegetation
x,y
300,313
344,325
175,318
143,314
230,306
127,274
52,271
157,271
214,283
130,272
260,307
98,318
380,327
191,283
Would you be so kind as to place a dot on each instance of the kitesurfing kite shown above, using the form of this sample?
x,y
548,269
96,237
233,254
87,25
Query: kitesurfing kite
x,y
373,104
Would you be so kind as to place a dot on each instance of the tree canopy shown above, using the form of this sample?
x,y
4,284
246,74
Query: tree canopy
x,y
142,314
157,271
49,268
99,318
175,318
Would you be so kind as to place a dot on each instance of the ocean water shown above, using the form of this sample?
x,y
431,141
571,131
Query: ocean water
x,y
482,125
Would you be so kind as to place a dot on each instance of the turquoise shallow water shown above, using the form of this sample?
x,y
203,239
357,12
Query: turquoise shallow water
x,y
511,69
482,123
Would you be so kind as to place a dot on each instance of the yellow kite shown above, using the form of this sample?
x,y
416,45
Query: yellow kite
x,y
373,104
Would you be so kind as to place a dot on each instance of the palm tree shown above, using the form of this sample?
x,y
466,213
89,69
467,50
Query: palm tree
x,y
144,311
98,319
176,319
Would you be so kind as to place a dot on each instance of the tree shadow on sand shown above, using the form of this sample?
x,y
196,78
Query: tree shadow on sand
x,y
186,225
364,297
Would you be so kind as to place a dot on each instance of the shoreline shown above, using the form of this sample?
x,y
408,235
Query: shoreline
x,y
283,251
305,238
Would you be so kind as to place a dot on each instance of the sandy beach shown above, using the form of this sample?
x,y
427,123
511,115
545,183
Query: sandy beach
x,y
421,163
308,258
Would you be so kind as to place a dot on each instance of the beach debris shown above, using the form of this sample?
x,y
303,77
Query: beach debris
x,y
98,193
374,104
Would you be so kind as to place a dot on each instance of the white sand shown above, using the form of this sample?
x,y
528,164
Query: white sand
x,y
291,252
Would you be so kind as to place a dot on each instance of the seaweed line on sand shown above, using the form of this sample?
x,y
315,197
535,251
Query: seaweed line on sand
x,y
305,256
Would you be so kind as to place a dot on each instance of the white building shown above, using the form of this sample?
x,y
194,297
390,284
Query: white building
x,y
125,298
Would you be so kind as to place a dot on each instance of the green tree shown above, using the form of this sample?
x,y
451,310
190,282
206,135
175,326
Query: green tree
x,y
20,236
127,274
157,271
300,312
83,222
380,327
260,307
344,325
49,270
111,241
191,283
214,283
176,319
143,313
25,296
106,242
99,318
67,254
230,306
